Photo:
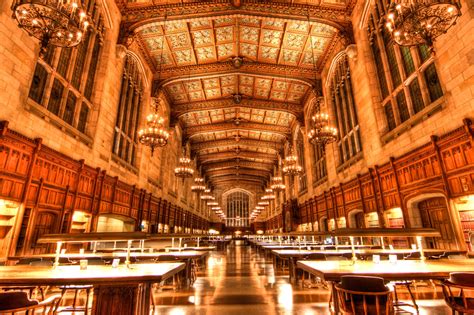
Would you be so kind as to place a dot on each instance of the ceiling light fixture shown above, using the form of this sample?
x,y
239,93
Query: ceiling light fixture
x,y
62,23
415,22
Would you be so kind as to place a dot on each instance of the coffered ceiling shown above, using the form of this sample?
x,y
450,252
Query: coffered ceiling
x,y
236,116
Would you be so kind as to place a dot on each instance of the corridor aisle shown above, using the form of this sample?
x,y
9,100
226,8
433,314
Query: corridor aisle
x,y
241,281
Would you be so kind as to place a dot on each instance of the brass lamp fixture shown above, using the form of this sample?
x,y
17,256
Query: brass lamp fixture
x,y
198,185
268,194
321,133
276,183
415,22
184,169
61,23
154,133
291,166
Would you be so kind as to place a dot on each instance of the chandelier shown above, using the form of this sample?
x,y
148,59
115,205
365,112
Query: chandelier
x,y
198,186
184,168
291,166
212,203
276,183
268,194
415,22
60,23
263,203
207,195
154,133
321,133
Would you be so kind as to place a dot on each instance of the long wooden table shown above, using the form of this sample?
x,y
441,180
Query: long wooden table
x,y
186,256
332,271
119,291
293,255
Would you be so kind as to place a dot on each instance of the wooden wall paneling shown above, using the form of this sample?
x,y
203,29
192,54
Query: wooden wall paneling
x,y
441,165
344,210
63,225
402,204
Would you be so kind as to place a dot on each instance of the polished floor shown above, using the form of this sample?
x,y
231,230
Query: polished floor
x,y
240,280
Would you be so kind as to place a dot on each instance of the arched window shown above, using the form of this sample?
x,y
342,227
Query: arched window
x,y
407,76
64,78
125,135
237,209
342,99
303,183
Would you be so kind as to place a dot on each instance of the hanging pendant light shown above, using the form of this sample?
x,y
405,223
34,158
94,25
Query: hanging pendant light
x,y
184,169
415,22
62,23
154,133
321,133
291,166
198,186
268,194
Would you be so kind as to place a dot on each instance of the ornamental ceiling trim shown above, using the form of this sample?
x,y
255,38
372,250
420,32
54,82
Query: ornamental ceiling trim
x,y
178,110
138,17
306,75
238,164
209,158
231,142
192,131
242,171
236,177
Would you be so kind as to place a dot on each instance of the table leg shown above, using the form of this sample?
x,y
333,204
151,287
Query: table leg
x,y
121,299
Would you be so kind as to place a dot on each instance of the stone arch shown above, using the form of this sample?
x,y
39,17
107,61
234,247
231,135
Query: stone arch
x,y
352,219
432,209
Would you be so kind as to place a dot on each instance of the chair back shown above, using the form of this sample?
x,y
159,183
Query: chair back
x,y
458,292
13,300
364,295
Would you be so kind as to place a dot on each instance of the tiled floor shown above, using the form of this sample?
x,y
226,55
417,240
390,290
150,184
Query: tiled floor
x,y
242,281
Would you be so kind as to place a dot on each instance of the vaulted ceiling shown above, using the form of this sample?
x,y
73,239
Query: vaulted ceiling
x,y
236,116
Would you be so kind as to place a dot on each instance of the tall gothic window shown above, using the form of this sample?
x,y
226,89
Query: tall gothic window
x,y
342,98
320,171
131,93
237,209
407,76
64,78
303,183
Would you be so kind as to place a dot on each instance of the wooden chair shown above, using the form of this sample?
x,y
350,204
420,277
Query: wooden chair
x,y
458,292
361,295
12,303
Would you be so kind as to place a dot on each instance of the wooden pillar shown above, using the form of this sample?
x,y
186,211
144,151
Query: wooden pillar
x,y
29,175
403,206
447,190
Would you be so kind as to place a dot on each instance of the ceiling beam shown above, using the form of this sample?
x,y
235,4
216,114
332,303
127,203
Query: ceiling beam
x,y
198,146
242,171
231,126
178,110
134,16
211,157
240,163
307,75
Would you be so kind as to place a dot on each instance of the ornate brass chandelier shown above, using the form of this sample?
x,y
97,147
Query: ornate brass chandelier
x,y
321,133
154,133
415,22
184,168
291,166
276,183
198,186
268,194
207,195
60,23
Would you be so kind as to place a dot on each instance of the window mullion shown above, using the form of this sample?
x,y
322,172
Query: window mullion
x,y
87,62
384,58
